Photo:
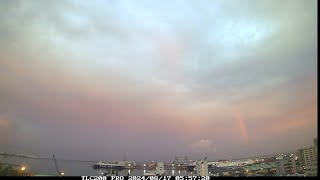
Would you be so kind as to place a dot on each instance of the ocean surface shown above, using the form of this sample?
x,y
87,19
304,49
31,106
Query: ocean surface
x,y
72,167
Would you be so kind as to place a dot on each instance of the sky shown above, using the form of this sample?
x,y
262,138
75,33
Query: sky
x,y
151,80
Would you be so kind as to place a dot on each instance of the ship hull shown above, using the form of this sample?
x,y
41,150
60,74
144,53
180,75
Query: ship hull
x,y
107,167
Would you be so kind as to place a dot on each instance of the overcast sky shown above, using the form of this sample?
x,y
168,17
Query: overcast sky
x,y
151,80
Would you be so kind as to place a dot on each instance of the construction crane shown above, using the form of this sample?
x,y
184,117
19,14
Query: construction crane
x,y
56,164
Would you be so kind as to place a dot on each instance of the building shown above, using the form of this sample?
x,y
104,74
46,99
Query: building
x,y
202,168
315,141
223,174
311,170
158,172
261,168
160,169
308,156
286,166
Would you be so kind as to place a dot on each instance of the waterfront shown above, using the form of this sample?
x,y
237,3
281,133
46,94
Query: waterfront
x,y
70,167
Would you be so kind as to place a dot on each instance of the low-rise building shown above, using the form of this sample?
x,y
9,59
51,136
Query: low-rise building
x,y
286,166
311,170
308,156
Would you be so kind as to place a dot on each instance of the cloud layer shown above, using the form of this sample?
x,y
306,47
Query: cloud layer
x,y
123,77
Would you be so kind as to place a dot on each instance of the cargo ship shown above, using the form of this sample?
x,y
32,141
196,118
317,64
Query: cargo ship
x,y
107,165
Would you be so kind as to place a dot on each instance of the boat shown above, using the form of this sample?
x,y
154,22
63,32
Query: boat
x,y
107,165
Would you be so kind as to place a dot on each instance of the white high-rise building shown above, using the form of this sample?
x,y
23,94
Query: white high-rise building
x,y
160,169
202,168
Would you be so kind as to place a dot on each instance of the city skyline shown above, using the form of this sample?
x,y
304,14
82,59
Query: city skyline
x,y
152,80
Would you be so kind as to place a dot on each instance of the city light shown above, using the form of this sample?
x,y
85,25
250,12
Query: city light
x,y
23,168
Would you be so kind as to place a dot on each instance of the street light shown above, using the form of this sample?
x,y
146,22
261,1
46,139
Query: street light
x,y
23,170
62,173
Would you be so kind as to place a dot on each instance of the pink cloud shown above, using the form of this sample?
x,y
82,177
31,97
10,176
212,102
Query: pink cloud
x,y
202,146
7,131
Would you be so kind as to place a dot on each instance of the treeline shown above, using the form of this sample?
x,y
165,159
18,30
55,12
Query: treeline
x,y
8,170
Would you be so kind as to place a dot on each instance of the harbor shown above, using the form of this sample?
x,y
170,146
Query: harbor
x,y
294,163
36,166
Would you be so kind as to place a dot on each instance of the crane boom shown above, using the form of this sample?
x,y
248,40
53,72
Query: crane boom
x,y
56,164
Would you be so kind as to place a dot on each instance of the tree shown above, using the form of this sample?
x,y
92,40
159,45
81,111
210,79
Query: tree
x,y
7,170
